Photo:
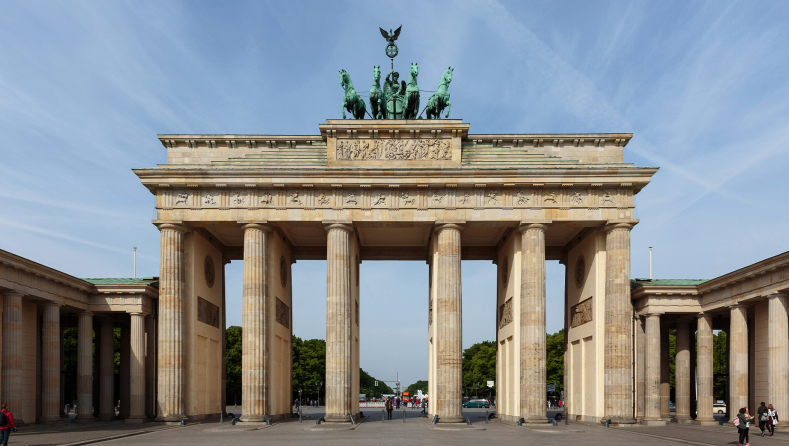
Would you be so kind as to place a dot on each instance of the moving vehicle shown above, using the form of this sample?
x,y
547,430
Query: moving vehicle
x,y
477,403
719,408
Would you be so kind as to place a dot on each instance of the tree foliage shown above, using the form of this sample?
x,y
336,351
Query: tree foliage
x,y
419,385
554,355
367,385
233,363
309,366
479,366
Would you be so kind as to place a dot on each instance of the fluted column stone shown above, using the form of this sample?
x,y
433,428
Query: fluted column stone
x,y
449,331
704,370
682,372
532,323
254,368
85,368
641,347
170,393
11,380
778,352
50,365
618,387
107,371
339,371
137,369
738,357
652,384
665,375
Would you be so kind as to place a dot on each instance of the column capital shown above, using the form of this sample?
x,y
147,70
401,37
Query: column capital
x,y
174,225
458,226
139,313
256,225
736,305
541,225
619,224
345,226
85,313
12,294
777,294
51,303
654,313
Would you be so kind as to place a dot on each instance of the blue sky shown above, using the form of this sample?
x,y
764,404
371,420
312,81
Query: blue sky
x,y
86,86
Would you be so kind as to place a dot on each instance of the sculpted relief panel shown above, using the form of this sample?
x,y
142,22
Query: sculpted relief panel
x,y
581,313
394,149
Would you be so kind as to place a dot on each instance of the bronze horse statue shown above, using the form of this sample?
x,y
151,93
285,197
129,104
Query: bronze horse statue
x,y
351,99
376,95
440,99
412,94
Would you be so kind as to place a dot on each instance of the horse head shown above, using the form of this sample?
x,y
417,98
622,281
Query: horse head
x,y
414,70
447,77
343,75
376,73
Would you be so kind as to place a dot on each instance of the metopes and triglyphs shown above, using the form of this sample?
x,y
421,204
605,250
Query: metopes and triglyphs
x,y
394,149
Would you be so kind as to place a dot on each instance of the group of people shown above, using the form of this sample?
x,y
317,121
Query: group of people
x,y
767,417
554,404
393,403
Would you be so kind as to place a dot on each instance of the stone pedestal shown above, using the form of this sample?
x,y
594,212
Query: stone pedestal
x,y
778,353
532,323
704,370
618,391
738,358
50,365
339,318
107,371
85,368
254,368
449,330
12,352
137,369
170,392
682,373
653,354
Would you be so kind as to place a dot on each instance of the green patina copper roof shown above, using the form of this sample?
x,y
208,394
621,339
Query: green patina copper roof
x,y
638,283
150,281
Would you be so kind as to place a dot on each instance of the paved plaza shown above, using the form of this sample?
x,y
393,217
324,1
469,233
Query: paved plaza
x,y
414,431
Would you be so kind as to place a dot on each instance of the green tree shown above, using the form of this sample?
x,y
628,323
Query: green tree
x,y
719,361
233,363
368,387
554,355
309,366
419,385
479,366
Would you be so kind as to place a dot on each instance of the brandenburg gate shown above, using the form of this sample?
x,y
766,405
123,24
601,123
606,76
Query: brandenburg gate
x,y
393,190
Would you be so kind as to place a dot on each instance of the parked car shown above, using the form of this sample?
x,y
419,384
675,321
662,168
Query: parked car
x,y
477,403
719,408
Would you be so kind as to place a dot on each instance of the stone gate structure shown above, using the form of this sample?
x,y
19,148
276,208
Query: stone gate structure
x,y
394,189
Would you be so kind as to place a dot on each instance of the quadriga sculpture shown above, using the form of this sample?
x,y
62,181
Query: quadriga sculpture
x,y
440,99
351,99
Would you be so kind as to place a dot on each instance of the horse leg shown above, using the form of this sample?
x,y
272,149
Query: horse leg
x,y
342,107
449,105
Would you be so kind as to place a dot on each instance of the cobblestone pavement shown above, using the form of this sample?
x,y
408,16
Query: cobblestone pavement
x,y
414,431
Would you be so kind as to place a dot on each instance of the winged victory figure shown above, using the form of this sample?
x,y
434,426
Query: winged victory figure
x,y
391,36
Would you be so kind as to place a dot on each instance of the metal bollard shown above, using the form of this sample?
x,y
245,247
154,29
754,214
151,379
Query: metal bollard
x,y
468,421
181,421
607,422
520,421
435,418
300,416
353,421
486,417
267,420
552,421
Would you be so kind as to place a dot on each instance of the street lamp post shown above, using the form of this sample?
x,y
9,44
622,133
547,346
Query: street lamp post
x,y
300,402
476,387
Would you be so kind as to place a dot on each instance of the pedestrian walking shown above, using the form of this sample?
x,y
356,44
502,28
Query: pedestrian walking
x,y
772,419
6,424
741,421
389,408
761,415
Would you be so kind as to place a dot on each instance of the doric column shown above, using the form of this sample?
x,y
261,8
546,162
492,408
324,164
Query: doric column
x,y
137,368
12,393
682,372
641,347
254,341
125,372
618,330
50,364
704,369
738,357
150,367
338,322
107,371
778,353
170,394
449,331
665,375
85,367
652,409
532,323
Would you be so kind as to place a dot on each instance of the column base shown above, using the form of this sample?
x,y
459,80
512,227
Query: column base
x,y
171,418
653,422
446,419
341,418
705,422
536,420
618,421
252,418
683,419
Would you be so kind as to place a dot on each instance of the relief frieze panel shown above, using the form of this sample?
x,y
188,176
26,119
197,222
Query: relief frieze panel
x,y
430,149
505,313
581,313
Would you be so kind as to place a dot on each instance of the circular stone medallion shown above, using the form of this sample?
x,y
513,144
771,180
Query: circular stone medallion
x,y
505,271
283,271
580,271
210,273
